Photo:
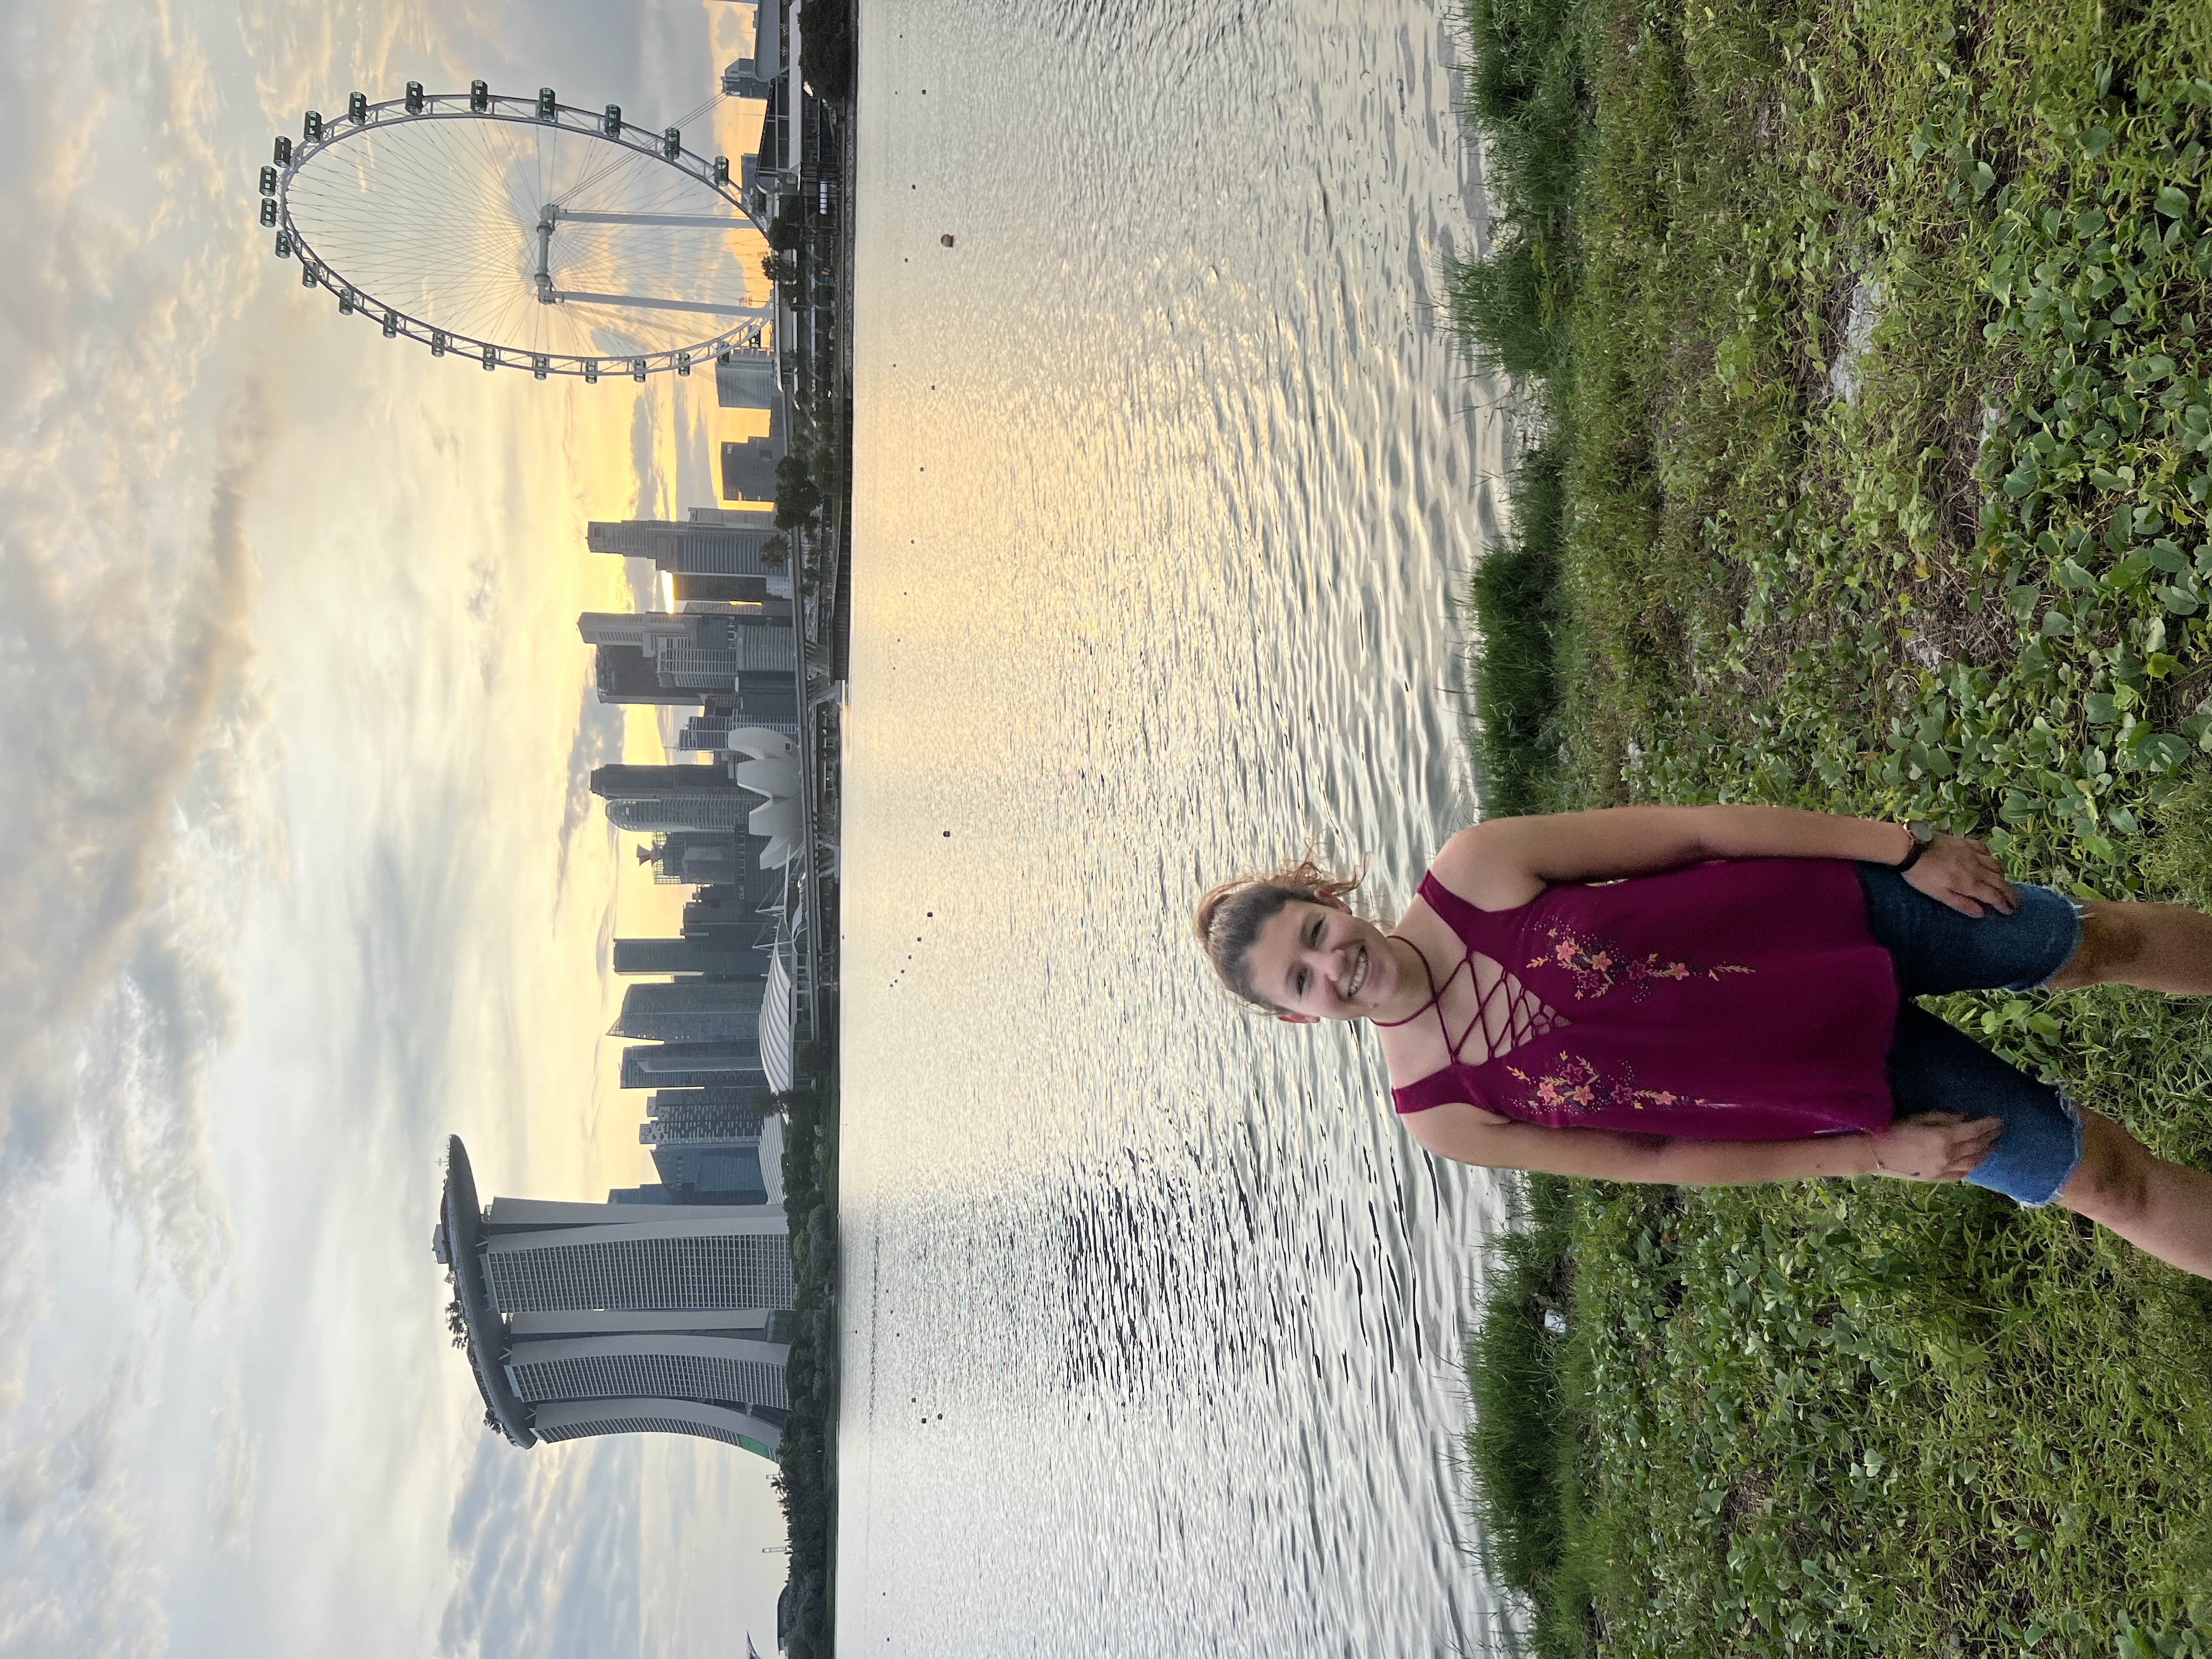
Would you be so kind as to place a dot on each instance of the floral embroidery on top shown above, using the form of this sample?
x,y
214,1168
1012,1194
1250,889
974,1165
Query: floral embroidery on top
x,y
1596,966
1573,1087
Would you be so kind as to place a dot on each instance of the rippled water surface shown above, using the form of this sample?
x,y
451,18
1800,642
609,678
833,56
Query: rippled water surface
x,y
1166,479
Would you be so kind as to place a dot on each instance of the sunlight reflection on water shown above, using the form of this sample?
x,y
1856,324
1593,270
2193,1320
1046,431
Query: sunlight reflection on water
x,y
1166,481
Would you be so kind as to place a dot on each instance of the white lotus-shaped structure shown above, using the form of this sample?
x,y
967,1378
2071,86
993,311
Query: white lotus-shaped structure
x,y
771,771
777,779
760,744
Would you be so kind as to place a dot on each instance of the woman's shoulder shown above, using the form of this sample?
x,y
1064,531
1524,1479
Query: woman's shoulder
x,y
1484,866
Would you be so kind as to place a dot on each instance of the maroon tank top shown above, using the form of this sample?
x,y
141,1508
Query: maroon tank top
x,y
1743,1000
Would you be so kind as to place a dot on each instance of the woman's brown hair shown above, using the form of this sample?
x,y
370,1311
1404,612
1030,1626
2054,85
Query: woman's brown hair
x,y
1229,919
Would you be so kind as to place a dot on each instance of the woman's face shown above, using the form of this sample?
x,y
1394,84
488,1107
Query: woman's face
x,y
1314,960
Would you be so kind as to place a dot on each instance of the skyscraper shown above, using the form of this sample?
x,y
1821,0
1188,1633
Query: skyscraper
x,y
733,1064
756,893
729,590
749,470
746,379
603,1257
644,815
707,652
585,1319
722,958
631,677
723,1172
714,958
709,731
688,1010
673,1115
742,79
700,549
646,798
689,857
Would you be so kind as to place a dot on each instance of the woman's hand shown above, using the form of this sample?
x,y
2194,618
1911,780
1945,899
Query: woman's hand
x,y
1963,874
1935,1145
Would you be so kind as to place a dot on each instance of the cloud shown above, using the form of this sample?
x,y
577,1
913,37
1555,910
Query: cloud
x,y
126,582
237,1467
133,707
599,741
125,804
549,1543
76,1520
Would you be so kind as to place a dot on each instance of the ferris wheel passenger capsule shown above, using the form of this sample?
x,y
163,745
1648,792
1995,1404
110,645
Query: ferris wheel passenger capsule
x,y
357,108
268,181
721,169
547,104
491,357
540,366
671,144
437,342
591,371
479,97
345,302
682,362
283,150
307,271
310,127
637,368
612,126
283,244
269,213
414,97
391,325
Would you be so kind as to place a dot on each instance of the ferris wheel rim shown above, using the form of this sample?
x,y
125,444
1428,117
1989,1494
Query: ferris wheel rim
x,y
396,324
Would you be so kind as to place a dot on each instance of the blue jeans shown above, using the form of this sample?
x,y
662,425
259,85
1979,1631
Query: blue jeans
x,y
1934,1066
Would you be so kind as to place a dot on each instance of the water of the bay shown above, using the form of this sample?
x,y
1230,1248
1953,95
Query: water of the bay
x,y
1167,478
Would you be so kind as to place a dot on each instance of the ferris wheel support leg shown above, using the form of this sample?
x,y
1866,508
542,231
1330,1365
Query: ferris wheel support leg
x,y
649,302
676,221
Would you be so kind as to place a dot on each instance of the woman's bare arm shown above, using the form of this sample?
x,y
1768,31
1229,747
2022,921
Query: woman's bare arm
x,y
1523,856
1941,1146
1503,862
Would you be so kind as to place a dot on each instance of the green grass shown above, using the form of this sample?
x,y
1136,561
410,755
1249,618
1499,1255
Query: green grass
x,y
1527,95
1868,1418
1515,595
805,1481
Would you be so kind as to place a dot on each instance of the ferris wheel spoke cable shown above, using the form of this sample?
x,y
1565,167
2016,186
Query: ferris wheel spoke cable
x,y
630,156
403,244
402,250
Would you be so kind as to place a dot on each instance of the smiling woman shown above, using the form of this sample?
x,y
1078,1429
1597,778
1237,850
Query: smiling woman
x,y
1721,995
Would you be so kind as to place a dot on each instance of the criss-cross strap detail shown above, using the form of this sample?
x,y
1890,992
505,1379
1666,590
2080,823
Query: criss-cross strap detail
x,y
1525,1014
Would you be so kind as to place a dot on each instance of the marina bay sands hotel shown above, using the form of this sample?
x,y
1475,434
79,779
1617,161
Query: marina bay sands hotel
x,y
586,1319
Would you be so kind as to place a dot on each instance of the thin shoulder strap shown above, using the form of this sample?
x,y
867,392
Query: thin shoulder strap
x,y
1435,993
1464,919
1440,1088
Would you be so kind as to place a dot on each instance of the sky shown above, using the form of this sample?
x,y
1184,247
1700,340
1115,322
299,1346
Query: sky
x,y
306,874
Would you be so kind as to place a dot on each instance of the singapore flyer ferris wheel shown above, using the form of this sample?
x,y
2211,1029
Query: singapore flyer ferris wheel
x,y
519,232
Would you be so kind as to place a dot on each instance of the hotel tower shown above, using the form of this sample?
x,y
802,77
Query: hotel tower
x,y
584,1319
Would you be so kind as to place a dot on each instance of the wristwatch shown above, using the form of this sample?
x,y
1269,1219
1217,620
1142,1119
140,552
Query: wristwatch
x,y
1923,837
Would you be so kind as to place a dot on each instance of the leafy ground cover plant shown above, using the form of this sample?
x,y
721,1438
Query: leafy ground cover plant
x,y
1880,408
